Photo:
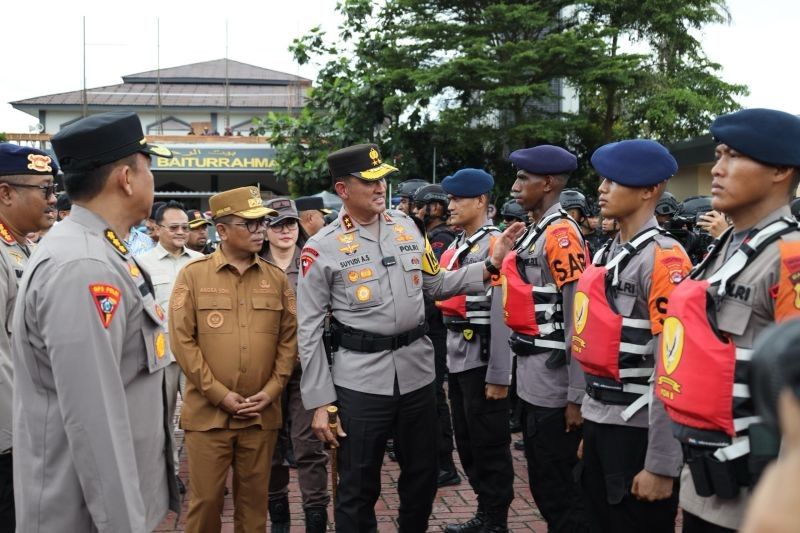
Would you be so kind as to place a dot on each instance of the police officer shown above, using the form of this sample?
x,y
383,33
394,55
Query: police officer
x,y
539,279
63,206
370,268
26,191
198,233
312,212
91,435
630,459
478,358
405,191
748,281
283,249
430,202
666,209
513,212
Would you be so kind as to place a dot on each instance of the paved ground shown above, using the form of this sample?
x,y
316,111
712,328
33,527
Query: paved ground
x,y
452,504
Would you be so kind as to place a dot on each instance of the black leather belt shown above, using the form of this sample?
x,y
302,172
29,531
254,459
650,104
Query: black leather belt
x,y
362,341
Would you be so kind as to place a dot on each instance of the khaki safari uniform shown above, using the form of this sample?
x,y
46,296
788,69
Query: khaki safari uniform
x,y
231,332
91,435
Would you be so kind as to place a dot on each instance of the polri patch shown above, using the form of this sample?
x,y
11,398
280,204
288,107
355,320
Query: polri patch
x,y
107,299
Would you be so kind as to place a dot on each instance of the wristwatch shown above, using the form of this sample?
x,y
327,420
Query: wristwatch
x,y
490,268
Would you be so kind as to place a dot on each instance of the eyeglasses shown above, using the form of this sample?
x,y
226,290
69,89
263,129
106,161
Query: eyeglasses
x,y
49,189
173,228
251,225
284,225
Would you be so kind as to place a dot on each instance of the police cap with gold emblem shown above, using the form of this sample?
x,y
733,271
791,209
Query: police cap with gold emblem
x,y
196,219
361,160
21,160
101,139
243,202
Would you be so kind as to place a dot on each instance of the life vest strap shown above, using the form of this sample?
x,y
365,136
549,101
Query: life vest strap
x,y
744,354
740,424
739,448
635,372
545,289
741,390
634,408
469,243
535,230
638,349
636,323
551,309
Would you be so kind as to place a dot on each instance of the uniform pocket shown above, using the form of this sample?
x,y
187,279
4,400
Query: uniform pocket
x,y
412,272
266,313
364,295
214,314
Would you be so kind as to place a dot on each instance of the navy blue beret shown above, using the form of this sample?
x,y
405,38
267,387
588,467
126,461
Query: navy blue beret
x,y
17,160
634,163
468,183
544,159
766,135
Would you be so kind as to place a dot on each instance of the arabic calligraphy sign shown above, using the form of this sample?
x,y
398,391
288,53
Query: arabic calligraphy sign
x,y
232,158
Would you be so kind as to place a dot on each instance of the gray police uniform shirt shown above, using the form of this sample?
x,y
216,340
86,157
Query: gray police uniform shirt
x,y
664,455
463,355
163,268
537,384
743,314
91,446
344,270
13,258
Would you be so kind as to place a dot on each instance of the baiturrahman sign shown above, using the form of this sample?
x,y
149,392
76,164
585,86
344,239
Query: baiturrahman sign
x,y
207,158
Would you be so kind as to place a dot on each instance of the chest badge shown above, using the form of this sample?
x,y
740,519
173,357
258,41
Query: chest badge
x,y
363,293
350,249
161,345
159,312
580,311
17,257
346,238
215,319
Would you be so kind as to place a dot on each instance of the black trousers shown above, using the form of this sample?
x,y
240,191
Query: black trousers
x,y
552,456
695,524
369,420
482,440
612,456
446,446
7,520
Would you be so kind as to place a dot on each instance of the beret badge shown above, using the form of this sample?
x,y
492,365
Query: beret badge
x,y
39,163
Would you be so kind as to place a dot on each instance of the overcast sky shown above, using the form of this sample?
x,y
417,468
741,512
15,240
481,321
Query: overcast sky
x,y
43,52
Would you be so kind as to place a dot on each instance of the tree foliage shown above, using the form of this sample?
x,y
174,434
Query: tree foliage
x,y
472,80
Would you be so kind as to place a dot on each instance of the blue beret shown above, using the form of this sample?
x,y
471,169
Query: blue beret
x,y
634,163
766,135
16,160
468,183
544,159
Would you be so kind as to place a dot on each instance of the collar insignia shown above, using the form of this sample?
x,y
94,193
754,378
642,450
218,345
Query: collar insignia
x,y
6,235
115,241
347,222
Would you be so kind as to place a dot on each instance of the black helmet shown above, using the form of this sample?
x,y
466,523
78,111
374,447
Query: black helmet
x,y
406,189
667,205
795,206
574,199
695,205
430,193
511,209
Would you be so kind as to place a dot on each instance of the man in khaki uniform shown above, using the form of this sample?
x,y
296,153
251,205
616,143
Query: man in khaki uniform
x,y
91,437
232,330
26,191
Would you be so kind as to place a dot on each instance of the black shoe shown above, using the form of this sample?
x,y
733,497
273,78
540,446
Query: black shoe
x,y
448,478
316,520
519,445
279,515
474,525
181,486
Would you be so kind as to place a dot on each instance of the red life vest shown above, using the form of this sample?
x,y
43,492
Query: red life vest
x,y
464,310
610,347
534,313
701,375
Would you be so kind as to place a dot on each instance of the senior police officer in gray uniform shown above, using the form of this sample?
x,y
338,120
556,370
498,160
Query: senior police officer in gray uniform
x,y
91,433
26,192
370,268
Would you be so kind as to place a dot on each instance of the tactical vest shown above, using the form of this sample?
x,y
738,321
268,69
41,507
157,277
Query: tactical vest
x,y
466,312
534,313
611,348
702,375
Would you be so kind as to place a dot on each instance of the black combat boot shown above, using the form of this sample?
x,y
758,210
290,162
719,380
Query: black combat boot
x,y
473,525
279,515
316,520
448,475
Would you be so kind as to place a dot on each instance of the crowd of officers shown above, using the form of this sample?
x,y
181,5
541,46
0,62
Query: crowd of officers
x,y
625,366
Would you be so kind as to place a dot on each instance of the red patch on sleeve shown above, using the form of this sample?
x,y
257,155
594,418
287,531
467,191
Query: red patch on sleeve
x,y
106,298
305,263
309,251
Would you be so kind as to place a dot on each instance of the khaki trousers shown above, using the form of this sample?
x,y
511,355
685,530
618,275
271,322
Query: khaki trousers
x,y
211,453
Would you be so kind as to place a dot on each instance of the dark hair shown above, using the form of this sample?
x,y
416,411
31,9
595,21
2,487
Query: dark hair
x,y
82,186
172,204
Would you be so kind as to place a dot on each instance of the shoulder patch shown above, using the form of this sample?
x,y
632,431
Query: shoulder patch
x,y
565,251
107,299
670,266
787,299
179,293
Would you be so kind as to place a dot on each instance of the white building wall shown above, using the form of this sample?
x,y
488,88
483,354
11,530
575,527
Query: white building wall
x,y
56,120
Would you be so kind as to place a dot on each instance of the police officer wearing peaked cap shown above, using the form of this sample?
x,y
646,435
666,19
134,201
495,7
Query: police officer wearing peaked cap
x,y
756,172
370,268
26,192
630,461
91,432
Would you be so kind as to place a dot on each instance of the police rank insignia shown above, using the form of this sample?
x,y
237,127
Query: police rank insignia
x,y
134,270
350,249
347,222
115,241
161,345
106,298
5,235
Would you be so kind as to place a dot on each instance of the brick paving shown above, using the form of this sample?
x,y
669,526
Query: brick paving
x,y
452,504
